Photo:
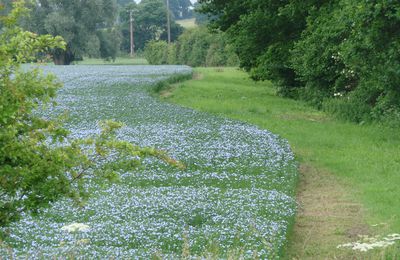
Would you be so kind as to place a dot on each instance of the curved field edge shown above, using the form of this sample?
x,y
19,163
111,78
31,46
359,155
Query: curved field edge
x,y
164,90
361,161
236,196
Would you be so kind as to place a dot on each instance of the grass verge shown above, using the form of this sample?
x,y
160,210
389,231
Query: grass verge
x,y
350,176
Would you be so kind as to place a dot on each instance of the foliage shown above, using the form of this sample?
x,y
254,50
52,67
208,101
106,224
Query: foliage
x,y
262,34
192,47
110,41
221,53
348,59
38,162
181,9
195,47
338,55
77,22
200,18
150,23
124,2
156,52
5,7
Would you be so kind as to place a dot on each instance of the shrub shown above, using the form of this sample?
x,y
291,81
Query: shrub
x,y
195,47
172,59
156,52
350,48
192,47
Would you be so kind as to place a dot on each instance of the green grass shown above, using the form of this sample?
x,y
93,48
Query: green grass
x,y
366,158
187,23
118,61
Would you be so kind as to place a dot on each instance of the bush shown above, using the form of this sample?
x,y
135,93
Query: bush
x,y
192,47
351,48
172,58
195,47
156,52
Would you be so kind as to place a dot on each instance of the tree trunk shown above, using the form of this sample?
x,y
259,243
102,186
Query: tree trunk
x,y
63,57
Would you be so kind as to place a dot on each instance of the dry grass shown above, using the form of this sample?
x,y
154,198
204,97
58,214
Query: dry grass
x,y
187,23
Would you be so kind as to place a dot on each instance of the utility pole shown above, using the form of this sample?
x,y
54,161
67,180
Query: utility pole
x,y
168,23
131,25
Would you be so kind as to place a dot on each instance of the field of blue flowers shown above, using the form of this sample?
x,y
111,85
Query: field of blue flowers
x,y
236,193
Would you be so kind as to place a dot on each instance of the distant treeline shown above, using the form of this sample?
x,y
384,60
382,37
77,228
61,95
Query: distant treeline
x,y
340,55
101,28
195,47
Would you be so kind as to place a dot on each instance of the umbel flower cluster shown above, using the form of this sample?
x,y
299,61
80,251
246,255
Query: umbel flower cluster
x,y
236,191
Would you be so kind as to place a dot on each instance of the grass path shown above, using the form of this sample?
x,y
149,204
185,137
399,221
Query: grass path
x,y
235,198
350,173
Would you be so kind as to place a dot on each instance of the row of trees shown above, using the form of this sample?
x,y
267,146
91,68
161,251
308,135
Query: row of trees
x,y
150,22
195,47
100,28
86,26
180,9
341,55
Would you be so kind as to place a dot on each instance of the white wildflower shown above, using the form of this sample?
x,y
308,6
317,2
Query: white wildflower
x,y
393,237
368,243
74,227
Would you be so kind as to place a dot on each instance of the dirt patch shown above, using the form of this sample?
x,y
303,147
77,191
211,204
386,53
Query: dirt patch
x,y
305,116
166,93
327,217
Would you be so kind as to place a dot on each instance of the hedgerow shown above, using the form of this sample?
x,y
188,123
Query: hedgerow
x,y
195,47
341,55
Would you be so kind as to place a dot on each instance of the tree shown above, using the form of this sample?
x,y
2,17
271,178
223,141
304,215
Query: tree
x,y
263,33
150,23
76,21
200,18
348,59
110,41
195,47
339,55
181,9
124,2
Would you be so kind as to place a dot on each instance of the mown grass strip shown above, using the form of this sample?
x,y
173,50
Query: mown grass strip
x,y
365,159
